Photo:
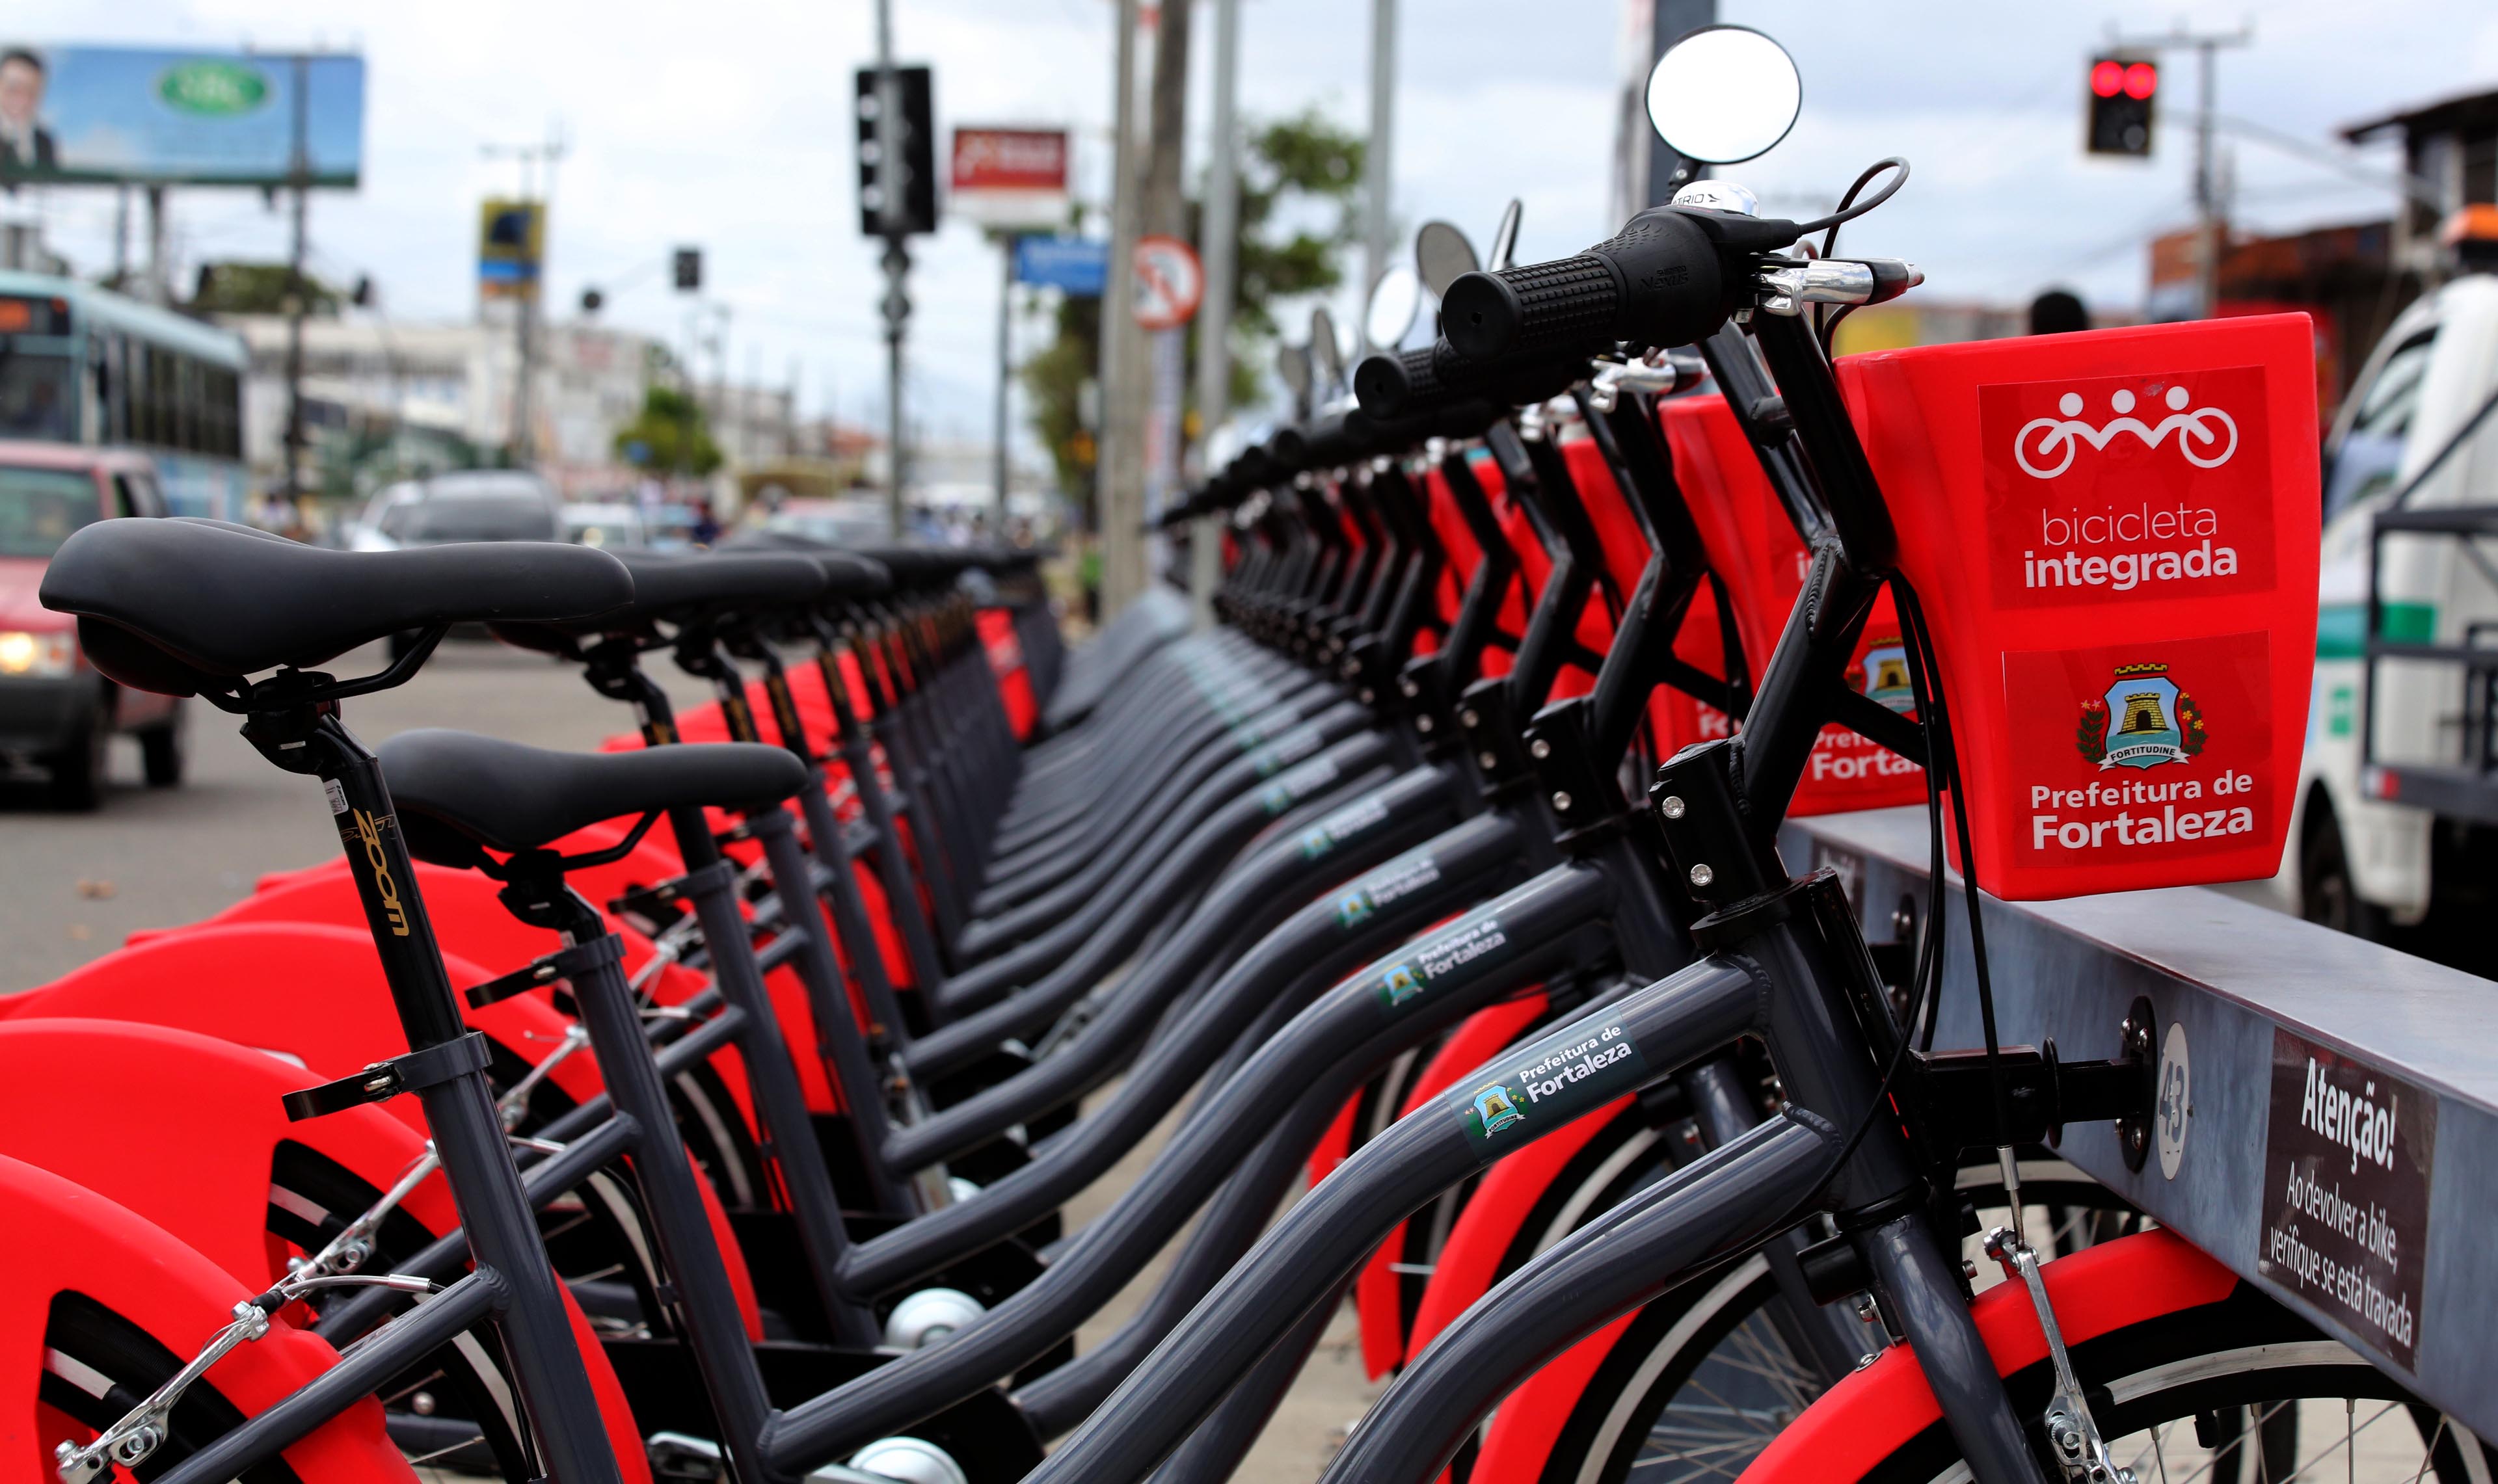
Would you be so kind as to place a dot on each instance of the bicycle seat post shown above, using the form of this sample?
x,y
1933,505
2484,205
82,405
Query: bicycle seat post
x,y
311,738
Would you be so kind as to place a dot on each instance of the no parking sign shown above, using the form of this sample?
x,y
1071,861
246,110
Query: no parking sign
x,y
1169,283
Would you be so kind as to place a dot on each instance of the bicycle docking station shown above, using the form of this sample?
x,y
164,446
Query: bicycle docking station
x,y
2325,1120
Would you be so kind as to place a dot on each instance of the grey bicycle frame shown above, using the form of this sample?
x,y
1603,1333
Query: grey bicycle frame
x,y
512,1286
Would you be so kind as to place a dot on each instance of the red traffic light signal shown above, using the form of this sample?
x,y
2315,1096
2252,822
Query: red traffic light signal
x,y
2136,80
2119,107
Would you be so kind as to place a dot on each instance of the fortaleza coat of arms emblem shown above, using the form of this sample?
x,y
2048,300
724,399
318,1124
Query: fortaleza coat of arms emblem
x,y
2142,721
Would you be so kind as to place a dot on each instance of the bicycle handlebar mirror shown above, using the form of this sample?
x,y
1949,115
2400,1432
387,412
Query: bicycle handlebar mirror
x,y
1504,238
1293,365
1327,352
1441,252
1395,300
1724,94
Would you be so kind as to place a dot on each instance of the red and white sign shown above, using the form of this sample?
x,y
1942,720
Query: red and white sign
x,y
1011,178
1171,283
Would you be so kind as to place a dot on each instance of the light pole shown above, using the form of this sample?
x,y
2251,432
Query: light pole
x,y
2207,187
1376,154
1220,247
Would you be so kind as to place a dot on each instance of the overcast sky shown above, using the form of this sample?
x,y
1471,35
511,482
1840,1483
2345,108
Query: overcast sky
x,y
726,123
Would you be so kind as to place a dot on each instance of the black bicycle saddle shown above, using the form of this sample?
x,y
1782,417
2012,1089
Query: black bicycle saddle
x,y
847,574
923,566
675,588
180,606
455,790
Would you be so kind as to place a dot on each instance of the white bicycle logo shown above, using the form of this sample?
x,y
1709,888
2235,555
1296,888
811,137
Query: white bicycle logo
x,y
2054,436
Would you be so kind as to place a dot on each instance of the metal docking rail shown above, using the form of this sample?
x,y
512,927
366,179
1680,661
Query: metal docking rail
x,y
2327,1116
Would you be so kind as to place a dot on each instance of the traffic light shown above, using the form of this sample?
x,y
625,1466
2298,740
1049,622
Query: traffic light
x,y
689,267
2121,92
902,157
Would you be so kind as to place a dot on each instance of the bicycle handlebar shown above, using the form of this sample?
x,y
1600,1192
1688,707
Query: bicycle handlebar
x,y
1664,280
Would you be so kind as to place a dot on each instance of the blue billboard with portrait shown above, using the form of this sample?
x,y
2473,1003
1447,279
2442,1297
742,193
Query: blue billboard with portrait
x,y
116,114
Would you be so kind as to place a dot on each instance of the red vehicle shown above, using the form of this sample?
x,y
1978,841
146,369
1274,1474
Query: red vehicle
x,y
56,713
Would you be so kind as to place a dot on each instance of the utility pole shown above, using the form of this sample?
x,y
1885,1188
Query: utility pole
x,y
1119,494
298,177
1669,21
121,241
2210,205
1006,364
1165,214
1376,154
892,211
1220,248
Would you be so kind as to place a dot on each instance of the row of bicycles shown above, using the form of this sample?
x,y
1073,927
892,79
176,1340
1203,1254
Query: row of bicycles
x,y
705,1107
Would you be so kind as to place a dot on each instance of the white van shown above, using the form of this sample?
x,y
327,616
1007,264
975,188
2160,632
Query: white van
x,y
2374,847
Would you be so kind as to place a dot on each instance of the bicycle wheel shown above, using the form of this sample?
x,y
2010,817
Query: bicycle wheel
x,y
1705,1376
2239,1392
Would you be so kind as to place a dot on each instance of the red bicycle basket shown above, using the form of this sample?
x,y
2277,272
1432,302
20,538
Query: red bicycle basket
x,y
1755,552
2114,538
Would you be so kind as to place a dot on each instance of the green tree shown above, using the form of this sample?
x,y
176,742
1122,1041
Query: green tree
x,y
258,288
1300,181
672,435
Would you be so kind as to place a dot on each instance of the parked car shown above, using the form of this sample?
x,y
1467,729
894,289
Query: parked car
x,y
56,713
843,520
469,505
604,525
673,528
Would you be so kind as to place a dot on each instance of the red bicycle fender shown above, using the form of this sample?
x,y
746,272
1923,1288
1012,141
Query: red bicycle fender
x,y
461,905
1530,1418
474,928
1378,1301
1334,1144
1867,1416
248,982
1004,652
187,1142
56,1236
1465,1269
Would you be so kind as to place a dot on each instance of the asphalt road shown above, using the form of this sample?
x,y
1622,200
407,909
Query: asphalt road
x,y
72,885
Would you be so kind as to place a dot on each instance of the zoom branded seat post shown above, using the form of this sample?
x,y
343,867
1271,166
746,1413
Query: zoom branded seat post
x,y
302,733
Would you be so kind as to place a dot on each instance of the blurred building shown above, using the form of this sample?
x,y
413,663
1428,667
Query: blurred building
x,y
2452,148
2352,277
388,399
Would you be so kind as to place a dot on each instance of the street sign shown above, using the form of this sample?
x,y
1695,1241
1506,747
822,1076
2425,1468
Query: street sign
x,y
511,242
1169,283
1012,179
1078,266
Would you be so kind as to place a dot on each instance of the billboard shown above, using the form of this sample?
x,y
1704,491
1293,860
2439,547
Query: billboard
x,y
1011,179
511,243
114,114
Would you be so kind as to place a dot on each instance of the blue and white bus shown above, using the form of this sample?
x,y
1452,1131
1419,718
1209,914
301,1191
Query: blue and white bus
x,y
81,364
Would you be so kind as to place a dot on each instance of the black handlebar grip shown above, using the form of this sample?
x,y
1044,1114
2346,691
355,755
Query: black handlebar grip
x,y
1659,281
1388,383
1570,301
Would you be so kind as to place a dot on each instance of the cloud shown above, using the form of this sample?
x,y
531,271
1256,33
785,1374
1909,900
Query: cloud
x,y
728,125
